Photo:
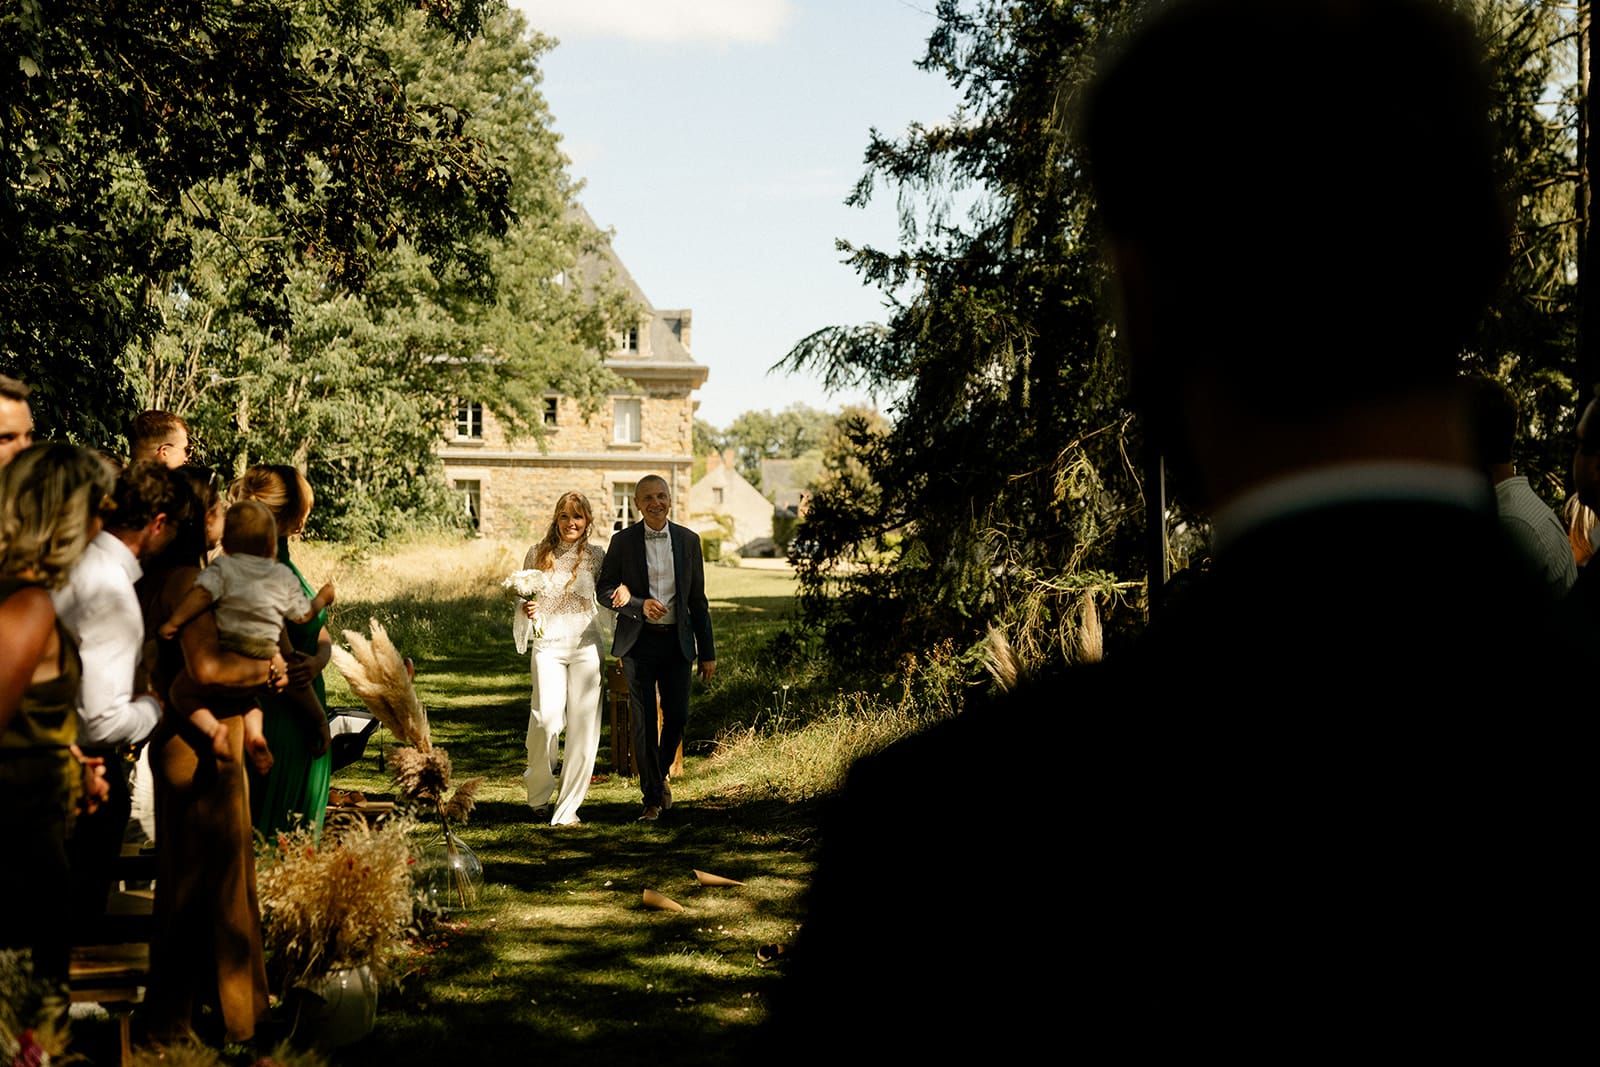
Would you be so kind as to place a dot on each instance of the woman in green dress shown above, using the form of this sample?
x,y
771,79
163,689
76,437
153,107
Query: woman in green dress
x,y
295,791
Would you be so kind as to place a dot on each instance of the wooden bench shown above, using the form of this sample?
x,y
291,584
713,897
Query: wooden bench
x,y
621,713
114,977
112,967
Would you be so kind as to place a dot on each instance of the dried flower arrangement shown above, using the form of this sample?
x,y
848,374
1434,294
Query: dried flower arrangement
x,y
382,679
33,1017
346,901
195,1054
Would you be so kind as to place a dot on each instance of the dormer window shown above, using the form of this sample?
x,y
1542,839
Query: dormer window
x,y
551,405
630,339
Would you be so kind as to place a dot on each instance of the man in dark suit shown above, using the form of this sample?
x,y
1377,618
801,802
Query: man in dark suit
x,y
1323,808
654,578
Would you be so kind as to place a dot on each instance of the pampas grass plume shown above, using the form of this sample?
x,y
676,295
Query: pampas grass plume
x,y
378,677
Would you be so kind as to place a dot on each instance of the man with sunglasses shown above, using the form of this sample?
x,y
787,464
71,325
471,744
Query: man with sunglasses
x,y
159,437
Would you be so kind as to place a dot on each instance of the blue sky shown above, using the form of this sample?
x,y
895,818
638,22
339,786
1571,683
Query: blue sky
x,y
718,139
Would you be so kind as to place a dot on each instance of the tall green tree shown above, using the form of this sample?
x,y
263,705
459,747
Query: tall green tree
x,y
796,431
1003,492
360,388
130,126
1530,338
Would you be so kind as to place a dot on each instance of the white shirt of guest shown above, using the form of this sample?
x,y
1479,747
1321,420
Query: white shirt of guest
x,y
658,561
100,609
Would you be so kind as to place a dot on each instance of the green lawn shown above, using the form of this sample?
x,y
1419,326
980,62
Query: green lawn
x,y
562,958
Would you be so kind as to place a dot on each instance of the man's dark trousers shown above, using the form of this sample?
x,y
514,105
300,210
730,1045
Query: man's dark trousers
x,y
655,664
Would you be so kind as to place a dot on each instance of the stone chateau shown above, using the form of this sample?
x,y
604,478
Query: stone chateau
x,y
509,488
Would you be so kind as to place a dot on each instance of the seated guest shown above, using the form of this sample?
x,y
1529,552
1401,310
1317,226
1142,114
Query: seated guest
x,y
50,499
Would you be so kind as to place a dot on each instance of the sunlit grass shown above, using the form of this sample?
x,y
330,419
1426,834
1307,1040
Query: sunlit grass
x,y
561,953
561,960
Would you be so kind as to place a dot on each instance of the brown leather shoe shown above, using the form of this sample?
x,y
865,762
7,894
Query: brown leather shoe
x,y
650,814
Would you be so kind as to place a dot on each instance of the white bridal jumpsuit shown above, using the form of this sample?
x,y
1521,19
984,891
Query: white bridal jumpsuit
x,y
566,679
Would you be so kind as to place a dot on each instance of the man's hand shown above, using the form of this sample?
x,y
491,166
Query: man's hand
x,y
277,673
302,668
708,667
96,790
620,596
654,610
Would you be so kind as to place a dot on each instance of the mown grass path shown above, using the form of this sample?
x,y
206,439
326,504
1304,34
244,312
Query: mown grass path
x,y
561,961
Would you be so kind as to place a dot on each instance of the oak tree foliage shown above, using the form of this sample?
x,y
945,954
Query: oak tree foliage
x,y
308,229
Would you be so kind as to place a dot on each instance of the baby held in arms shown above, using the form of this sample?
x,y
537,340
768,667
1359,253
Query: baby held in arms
x,y
253,594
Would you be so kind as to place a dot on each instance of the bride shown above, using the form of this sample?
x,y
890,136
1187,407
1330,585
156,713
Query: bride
x,y
563,627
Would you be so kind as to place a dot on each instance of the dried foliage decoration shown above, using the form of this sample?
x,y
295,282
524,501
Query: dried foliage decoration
x,y
378,675
344,902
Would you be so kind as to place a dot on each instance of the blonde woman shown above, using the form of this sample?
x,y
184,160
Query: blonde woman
x,y
563,628
50,501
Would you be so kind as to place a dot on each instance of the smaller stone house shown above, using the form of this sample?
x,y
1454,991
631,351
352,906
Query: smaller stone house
x,y
723,493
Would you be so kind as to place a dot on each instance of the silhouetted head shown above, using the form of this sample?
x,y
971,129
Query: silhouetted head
x,y
1494,420
1300,200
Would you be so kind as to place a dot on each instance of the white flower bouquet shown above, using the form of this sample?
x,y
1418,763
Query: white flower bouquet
x,y
525,585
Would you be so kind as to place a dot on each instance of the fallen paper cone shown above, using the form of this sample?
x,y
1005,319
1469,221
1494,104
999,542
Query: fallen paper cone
x,y
705,878
656,900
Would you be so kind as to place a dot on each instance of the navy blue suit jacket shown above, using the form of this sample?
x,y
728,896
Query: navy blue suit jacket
x,y
625,565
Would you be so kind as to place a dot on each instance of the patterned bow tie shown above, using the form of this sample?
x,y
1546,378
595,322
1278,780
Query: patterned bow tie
x,y
655,535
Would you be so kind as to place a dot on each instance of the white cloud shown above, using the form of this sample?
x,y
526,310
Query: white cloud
x,y
717,22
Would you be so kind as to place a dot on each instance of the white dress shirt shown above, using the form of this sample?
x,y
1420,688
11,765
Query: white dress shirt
x,y
99,607
663,582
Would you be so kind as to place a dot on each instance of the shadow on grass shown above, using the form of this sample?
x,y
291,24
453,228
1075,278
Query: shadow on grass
x,y
572,960
562,962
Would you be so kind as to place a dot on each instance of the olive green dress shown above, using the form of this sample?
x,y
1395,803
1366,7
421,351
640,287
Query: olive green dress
x,y
40,784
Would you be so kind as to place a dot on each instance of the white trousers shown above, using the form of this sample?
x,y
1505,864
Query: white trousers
x,y
566,696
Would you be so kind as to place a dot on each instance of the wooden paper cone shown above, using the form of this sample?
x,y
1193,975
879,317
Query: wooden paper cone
x,y
656,900
705,878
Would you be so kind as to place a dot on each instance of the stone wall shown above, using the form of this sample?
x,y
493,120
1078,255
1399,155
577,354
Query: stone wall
x,y
518,485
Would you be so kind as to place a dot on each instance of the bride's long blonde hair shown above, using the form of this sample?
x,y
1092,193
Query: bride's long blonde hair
x,y
544,554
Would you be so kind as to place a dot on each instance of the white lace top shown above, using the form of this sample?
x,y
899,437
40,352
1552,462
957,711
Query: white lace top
x,y
568,610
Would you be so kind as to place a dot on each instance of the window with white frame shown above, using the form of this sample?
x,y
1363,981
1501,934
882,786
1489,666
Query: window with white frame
x,y
630,339
622,505
469,420
625,416
470,494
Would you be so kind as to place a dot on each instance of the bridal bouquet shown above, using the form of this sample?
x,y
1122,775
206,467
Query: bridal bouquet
x,y
527,585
